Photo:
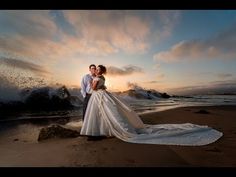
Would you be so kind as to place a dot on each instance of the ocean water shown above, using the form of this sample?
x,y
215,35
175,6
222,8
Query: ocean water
x,y
24,97
61,104
145,106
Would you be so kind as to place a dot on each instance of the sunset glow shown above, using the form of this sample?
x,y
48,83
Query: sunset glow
x,y
155,49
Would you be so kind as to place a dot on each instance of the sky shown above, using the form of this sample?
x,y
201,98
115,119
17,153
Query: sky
x,y
166,50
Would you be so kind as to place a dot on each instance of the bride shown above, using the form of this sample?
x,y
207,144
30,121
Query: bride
x,y
108,115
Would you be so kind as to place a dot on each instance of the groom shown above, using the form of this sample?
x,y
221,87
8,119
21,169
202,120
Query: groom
x,y
86,89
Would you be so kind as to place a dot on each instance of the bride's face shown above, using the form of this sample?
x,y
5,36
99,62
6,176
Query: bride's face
x,y
98,70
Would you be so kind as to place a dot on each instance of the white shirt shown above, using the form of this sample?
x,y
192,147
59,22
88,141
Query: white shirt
x,y
85,85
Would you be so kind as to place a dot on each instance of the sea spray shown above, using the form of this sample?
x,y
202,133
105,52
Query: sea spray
x,y
33,92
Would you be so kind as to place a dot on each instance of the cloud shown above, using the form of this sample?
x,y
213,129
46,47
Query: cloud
x,y
31,34
214,87
126,70
118,30
220,46
89,48
151,82
160,76
223,82
33,49
34,23
36,36
132,85
167,19
24,65
45,35
156,66
224,75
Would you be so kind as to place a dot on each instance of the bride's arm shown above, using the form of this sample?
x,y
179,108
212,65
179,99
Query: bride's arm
x,y
94,84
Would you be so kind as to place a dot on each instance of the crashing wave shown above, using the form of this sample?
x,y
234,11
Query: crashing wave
x,y
142,94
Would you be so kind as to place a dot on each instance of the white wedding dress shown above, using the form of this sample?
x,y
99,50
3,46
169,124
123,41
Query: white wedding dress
x,y
108,115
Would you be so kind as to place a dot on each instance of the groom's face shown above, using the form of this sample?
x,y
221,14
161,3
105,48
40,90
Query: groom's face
x,y
92,69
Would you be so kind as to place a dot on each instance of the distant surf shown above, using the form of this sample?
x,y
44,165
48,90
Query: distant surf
x,y
42,101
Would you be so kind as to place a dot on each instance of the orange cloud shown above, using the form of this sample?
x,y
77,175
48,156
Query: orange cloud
x,y
188,50
35,34
220,47
160,76
125,33
126,70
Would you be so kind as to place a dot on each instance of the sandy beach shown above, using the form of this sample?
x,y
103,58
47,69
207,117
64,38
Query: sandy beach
x,y
19,146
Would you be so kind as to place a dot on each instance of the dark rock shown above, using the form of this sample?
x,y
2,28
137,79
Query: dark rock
x,y
16,139
56,131
144,94
11,105
76,101
156,94
95,138
133,93
63,92
148,94
38,98
202,111
41,99
165,95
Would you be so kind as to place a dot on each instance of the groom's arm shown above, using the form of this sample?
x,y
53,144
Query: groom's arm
x,y
83,91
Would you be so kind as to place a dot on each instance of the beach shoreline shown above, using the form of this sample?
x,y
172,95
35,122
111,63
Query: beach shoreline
x,y
19,146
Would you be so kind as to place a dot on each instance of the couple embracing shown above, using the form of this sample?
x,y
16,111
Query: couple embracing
x,y
107,115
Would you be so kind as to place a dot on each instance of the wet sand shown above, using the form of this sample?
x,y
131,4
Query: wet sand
x,y
19,146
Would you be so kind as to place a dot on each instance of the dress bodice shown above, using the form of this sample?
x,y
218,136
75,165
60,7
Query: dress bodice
x,y
101,81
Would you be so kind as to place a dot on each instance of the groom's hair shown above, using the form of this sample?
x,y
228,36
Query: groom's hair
x,y
103,69
92,65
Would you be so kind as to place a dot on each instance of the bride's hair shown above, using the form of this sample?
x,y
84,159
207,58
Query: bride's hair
x,y
103,69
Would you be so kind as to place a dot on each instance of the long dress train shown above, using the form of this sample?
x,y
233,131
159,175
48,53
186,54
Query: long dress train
x,y
108,115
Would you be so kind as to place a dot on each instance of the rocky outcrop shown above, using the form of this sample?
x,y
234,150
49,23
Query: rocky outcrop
x,y
43,99
143,94
135,94
56,131
12,105
165,95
